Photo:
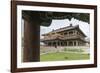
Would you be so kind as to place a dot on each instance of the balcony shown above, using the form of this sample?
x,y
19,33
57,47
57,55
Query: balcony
x,y
73,37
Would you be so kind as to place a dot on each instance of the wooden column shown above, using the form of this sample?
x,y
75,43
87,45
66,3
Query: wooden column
x,y
56,43
76,43
73,43
51,43
59,43
67,43
31,51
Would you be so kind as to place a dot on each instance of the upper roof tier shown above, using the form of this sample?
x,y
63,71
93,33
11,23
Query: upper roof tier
x,y
66,28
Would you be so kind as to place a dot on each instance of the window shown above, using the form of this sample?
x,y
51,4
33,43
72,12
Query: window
x,y
71,32
65,33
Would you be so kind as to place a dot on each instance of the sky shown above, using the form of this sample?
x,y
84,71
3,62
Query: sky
x,y
56,24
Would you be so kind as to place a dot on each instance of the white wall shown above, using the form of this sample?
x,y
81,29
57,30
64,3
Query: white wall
x,y
5,36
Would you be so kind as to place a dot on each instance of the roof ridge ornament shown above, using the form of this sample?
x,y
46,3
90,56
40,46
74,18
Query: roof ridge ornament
x,y
71,25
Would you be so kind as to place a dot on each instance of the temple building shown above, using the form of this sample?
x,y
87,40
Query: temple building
x,y
66,36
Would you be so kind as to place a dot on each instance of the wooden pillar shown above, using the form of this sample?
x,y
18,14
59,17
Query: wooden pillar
x,y
56,43
76,43
31,51
68,33
59,43
51,43
73,43
48,44
67,43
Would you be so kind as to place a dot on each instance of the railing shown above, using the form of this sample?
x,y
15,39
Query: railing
x,y
73,36
67,37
